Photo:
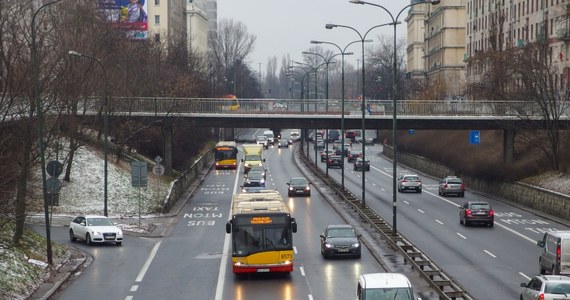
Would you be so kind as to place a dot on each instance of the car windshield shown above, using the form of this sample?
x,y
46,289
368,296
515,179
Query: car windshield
x,y
298,182
557,288
99,222
262,138
340,232
254,175
454,181
480,206
389,294
412,178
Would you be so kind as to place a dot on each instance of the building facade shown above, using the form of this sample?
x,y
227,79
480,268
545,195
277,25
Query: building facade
x,y
197,27
166,19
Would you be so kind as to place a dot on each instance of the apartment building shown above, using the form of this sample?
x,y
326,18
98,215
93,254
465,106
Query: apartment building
x,y
516,23
436,45
197,27
166,18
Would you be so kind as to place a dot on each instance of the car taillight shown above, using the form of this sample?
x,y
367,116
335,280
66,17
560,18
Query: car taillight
x,y
558,255
462,186
445,186
491,213
404,180
468,212
541,296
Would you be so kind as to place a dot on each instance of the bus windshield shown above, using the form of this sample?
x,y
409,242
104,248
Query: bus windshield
x,y
250,239
225,153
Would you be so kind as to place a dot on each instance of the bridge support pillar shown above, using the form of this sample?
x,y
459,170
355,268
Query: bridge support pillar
x,y
228,134
508,145
167,148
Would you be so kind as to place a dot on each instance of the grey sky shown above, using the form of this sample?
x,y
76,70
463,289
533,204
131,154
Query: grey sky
x,y
288,26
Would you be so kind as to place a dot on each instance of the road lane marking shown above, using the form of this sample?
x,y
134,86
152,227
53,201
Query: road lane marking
x,y
225,251
440,222
406,202
421,211
461,235
302,269
491,254
524,275
134,288
148,262
516,232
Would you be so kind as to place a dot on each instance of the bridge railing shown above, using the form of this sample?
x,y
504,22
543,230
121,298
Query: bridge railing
x,y
174,106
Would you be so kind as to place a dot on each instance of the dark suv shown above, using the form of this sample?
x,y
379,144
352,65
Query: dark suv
x,y
358,165
335,161
353,155
476,211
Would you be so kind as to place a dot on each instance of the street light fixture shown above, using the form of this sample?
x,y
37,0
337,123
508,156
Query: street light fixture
x,y
363,108
105,124
394,103
39,108
342,53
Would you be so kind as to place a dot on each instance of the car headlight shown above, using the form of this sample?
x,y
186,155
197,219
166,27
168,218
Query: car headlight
x,y
262,181
356,245
246,164
327,245
290,188
308,188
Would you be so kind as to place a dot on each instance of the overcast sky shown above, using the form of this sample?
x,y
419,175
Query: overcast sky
x,y
288,26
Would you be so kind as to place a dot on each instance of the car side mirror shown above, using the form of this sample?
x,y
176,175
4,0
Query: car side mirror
x,y
229,227
82,223
288,183
540,244
523,284
322,235
263,160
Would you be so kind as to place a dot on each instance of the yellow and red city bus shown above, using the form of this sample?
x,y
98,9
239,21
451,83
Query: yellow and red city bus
x,y
261,229
225,155
231,102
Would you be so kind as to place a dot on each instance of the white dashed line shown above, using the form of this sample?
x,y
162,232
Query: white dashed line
x,y
491,254
134,288
302,269
440,222
524,275
461,235
421,211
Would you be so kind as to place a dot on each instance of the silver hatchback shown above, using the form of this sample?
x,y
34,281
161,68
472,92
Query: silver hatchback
x,y
451,185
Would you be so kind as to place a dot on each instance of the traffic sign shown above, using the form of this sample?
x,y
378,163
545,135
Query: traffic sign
x,y
475,137
54,168
158,170
53,185
138,174
411,132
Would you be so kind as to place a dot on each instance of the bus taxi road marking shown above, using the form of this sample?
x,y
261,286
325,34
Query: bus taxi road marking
x,y
440,222
129,298
148,262
295,249
406,202
421,211
490,254
302,269
461,235
134,288
225,251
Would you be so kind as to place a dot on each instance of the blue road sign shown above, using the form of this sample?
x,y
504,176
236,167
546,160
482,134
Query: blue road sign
x,y
411,132
475,137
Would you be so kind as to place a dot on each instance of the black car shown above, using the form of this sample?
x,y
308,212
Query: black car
x,y
358,165
476,212
335,161
340,151
299,186
340,240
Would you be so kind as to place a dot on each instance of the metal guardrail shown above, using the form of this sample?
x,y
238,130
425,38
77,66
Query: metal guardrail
x,y
437,279
174,106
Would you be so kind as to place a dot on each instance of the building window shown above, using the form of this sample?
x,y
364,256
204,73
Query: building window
x,y
156,20
157,38
156,2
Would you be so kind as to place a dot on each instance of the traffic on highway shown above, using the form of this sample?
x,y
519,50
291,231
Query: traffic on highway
x,y
202,257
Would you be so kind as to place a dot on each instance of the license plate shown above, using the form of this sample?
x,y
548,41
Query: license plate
x,y
262,270
342,250
109,237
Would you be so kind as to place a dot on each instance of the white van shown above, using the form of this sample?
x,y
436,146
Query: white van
x,y
270,136
384,286
555,253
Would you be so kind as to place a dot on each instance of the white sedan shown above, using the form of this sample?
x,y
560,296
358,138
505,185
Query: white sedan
x,y
95,229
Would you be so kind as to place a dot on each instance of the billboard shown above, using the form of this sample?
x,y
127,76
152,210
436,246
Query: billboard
x,y
127,15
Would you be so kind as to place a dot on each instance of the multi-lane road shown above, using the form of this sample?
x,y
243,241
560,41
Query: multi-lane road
x,y
193,261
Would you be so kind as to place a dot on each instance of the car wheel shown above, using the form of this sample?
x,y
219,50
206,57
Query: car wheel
x,y
119,243
465,222
462,195
358,255
420,191
72,236
439,192
460,220
491,224
88,239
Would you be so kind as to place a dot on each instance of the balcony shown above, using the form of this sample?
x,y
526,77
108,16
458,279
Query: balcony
x,y
563,34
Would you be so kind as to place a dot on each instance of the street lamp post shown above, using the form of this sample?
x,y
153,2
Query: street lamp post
x,y
394,89
105,125
326,62
342,54
363,106
39,108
